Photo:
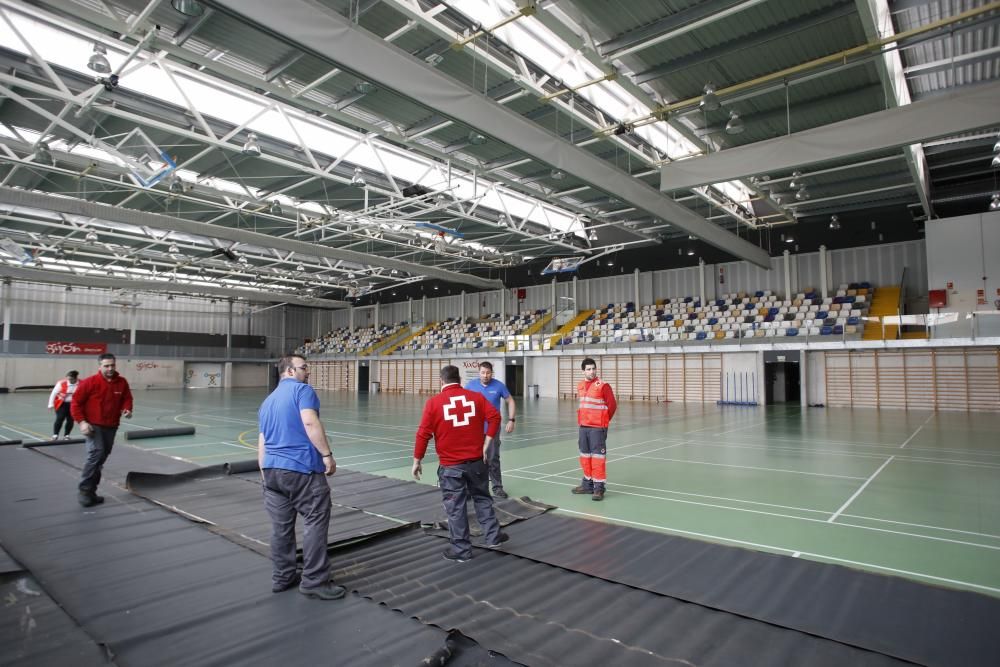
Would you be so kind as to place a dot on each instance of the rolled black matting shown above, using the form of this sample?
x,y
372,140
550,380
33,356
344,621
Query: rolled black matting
x,y
10,442
159,432
928,625
53,443
545,616
235,506
239,467
162,591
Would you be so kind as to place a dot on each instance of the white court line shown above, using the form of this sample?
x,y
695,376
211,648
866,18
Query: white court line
x,y
576,458
658,449
194,444
858,492
917,431
785,516
740,467
783,549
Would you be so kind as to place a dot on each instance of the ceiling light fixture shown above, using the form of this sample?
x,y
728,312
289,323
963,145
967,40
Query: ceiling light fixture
x,y
557,174
501,220
98,61
176,185
91,236
251,148
477,139
802,194
735,124
995,202
690,252
173,249
275,207
834,223
300,268
709,101
42,154
592,235
188,7
364,87
358,178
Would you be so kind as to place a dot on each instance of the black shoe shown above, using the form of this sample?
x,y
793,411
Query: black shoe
x,y
598,495
448,555
501,538
328,591
498,492
89,498
281,588
581,490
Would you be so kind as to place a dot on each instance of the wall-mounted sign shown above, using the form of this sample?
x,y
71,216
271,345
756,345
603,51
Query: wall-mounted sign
x,y
75,348
981,297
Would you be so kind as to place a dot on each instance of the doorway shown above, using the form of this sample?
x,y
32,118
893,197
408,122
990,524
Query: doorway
x,y
363,377
514,379
782,382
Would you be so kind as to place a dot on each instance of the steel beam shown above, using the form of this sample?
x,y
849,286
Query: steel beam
x,y
941,116
329,35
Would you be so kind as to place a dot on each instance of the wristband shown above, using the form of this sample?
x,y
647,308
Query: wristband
x,y
326,455
511,419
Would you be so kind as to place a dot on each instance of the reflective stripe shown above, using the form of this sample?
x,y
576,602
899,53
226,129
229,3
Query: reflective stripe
x,y
587,456
599,456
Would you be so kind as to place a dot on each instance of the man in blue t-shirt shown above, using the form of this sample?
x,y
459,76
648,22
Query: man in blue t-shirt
x,y
495,391
295,459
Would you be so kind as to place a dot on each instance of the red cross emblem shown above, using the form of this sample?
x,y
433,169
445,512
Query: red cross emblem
x,y
459,410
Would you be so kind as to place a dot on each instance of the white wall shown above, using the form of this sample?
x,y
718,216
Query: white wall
x,y
815,377
248,375
543,371
966,252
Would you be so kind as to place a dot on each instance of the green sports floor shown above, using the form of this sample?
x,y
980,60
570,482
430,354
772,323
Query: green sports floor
x,y
915,494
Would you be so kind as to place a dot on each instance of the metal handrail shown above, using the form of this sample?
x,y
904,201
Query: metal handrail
x,y
900,302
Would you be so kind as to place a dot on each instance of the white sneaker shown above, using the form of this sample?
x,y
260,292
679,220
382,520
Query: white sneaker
x,y
55,437
65,437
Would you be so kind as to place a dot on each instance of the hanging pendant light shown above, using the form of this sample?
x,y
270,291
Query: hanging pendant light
x,y
802,194
98,61
995,202
735,124
251,148
834,223
709,100
358,178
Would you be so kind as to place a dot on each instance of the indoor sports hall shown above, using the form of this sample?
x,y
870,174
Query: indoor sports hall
x,y
774,228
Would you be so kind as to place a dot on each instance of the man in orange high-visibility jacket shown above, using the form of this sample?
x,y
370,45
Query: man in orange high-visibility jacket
x,y
597,407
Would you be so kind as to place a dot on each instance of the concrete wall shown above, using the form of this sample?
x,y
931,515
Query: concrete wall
x,y
965,251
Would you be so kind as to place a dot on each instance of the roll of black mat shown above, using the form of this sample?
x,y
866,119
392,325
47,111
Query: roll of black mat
x,y
159,432
53,443
10,442
236,467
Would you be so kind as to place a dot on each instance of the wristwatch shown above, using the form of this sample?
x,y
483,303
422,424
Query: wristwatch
x,y
511,419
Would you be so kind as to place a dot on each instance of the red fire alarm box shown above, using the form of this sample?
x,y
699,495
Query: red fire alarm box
x,y
937,298
522,293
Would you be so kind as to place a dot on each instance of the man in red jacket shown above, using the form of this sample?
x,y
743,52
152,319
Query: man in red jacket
x,y
457,418
597,407
99,403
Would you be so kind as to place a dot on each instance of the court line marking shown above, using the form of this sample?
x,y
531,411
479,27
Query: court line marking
x,y
743,467
890,446
915,432
676,444
731,540
577,457
785,516
858,492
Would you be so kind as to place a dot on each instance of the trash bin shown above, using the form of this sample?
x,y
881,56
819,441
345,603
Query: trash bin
x,y
375,387
532,391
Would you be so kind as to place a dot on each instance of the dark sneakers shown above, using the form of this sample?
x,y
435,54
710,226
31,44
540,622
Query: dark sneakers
x,y
498,492
328,591
281,588
501,538
581,490
454,558
89,499
598,494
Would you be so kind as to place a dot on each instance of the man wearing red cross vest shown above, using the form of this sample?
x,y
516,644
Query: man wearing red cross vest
x,y
457,419
597,407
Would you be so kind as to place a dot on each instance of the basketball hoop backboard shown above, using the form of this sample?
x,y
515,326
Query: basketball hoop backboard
x,y
562,265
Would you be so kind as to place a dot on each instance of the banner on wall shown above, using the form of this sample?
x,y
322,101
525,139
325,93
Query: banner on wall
x,y
60,347
470,369
203,376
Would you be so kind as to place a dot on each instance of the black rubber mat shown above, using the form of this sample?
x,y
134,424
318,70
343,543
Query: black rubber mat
x,y
8,564
36,632
546,616
233,504
928,625
156,589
